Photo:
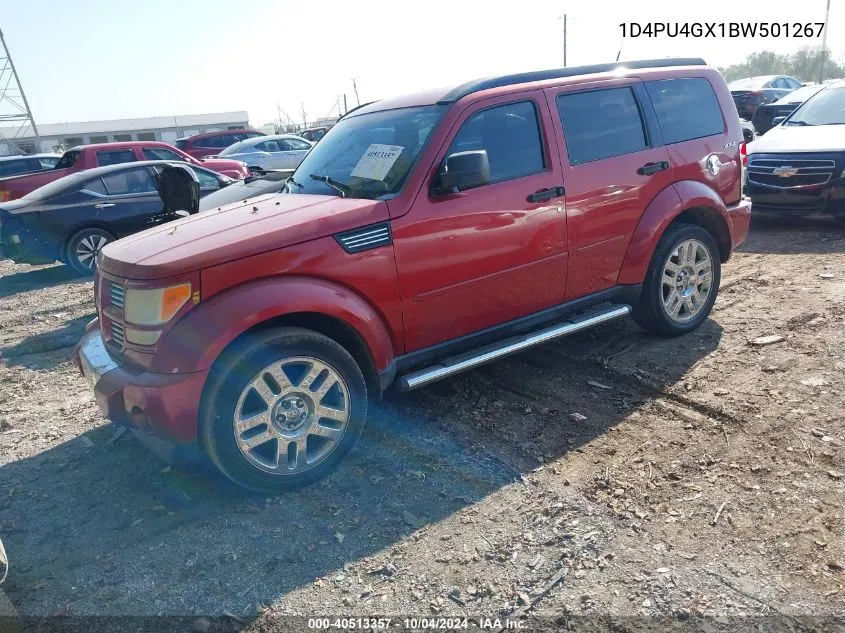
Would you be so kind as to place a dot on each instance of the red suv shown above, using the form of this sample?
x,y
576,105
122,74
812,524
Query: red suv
x,y
212,143
426,235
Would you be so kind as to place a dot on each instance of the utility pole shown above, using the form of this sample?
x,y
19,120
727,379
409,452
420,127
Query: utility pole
x,y
564,39
824,42
357,100
304,116
20,111
345,107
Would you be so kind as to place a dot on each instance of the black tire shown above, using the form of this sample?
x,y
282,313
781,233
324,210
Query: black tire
x,y
83,246
238,368
649,311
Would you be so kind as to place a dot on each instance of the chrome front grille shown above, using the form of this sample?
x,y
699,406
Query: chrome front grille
x,y
116,294
778,173
117,334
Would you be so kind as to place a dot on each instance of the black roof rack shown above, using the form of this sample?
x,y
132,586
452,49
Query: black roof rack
x,y
557,73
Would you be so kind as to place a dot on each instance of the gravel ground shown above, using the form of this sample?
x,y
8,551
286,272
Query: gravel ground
x,y
608,473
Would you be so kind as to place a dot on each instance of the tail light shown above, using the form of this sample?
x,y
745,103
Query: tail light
x,y
743,153
5,196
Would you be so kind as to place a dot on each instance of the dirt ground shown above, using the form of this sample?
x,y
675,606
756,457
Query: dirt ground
x,y
705,476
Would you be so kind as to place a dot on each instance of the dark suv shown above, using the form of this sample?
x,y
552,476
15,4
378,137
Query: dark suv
x,y
423,236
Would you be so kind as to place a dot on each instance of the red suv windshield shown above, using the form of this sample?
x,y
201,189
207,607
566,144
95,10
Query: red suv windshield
x,y
371,155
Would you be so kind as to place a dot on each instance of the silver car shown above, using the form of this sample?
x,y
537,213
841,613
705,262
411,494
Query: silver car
x,y
263,153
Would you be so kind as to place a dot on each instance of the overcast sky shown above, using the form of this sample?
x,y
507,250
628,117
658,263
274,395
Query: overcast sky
x,y
83,60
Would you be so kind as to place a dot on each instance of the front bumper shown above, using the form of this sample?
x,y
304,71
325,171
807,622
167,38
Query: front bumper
x,y
161,406
797,193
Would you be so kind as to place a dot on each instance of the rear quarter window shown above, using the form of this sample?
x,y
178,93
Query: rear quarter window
x,y
686,109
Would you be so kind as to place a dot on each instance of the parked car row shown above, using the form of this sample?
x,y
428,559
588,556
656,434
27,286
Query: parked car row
x,y
85,157
72,218
798,166
752,92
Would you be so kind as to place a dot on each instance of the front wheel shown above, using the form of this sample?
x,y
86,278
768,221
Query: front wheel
x,y
681,283
282,409
83,248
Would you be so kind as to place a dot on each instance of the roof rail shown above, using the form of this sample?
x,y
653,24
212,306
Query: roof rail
x,y
508,80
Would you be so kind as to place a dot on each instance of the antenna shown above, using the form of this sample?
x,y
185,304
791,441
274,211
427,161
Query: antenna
x,y
357,100
14,108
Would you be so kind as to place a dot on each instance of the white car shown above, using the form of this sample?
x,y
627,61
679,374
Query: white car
x,y
263,153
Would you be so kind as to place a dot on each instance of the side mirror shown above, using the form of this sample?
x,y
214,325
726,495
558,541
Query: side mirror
x,y
462,171
778,120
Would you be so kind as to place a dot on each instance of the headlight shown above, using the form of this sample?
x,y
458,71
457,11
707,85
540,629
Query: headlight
x,y
157,306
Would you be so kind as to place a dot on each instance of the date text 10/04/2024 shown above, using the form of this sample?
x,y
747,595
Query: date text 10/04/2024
x,y
723,29
418,624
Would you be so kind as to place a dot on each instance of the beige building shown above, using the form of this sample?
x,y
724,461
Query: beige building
x,y
61,136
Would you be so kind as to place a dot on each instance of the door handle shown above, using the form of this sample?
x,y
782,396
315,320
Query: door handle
x,y
104,205
652,168
546,194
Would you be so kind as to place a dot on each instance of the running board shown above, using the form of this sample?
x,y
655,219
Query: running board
x,y
450,366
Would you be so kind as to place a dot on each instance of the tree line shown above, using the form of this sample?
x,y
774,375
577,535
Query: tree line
x,y
803,65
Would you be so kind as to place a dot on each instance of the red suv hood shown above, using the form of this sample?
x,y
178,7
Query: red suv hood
x,y
235,231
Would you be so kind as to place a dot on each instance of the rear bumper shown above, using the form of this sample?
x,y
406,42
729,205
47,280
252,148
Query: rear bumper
x,y
161,406
739,220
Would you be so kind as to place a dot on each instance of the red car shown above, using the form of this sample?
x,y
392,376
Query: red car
x,y
424,236
212,143
102,154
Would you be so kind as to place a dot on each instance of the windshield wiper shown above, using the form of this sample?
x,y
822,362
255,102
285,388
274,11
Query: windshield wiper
x,y
798,122
291,180
334,184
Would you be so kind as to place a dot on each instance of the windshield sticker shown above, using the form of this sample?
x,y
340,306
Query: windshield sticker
x,y
377,161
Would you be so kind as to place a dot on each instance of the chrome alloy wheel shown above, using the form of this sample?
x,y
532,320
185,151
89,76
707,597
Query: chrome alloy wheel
x,y
687,280
291,415
87,249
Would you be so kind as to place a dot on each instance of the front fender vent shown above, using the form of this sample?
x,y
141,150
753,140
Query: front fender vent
x,y
365,238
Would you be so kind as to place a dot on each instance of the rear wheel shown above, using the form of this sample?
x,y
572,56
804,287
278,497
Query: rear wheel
x,y
283,409
83,248
681,283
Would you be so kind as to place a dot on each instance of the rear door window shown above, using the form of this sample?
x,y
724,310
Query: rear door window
x,y
131,181
510,134
601,124
686,108
115,157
